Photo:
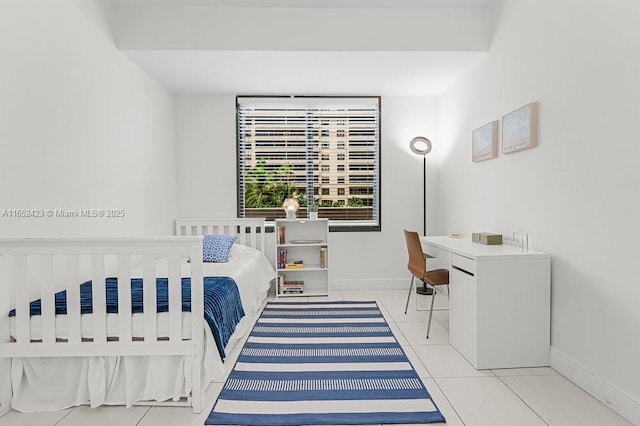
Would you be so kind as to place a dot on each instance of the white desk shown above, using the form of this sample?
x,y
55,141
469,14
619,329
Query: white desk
x,y
500,300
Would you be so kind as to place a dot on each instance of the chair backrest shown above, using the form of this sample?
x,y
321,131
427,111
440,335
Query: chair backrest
x,y
416,259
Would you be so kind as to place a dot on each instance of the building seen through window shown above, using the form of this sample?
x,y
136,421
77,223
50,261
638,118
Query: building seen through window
x,y
320,150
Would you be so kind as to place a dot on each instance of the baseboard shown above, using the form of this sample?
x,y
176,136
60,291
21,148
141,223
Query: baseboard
x,y
370,284
613,398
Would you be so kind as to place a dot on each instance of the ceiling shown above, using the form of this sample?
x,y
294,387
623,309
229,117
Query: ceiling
x,y
336,73
321,3
427,73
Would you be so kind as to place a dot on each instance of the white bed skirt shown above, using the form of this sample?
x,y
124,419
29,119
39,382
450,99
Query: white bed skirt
x,y
67,382
51,384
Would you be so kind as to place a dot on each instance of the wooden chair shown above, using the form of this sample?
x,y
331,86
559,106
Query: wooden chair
x,y
417,267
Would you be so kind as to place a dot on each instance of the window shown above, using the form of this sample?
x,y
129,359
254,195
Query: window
x,y
287,147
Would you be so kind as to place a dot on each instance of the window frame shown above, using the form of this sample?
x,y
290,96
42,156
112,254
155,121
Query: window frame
x,y
334,225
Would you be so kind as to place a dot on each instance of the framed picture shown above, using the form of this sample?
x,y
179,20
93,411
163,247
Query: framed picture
x,y
520,129
484,142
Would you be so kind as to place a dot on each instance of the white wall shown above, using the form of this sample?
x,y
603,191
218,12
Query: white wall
x,y
205,156
81,127
206,138
576,193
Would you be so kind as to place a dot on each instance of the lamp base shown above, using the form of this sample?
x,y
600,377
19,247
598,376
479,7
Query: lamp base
x,y
291,215
424,290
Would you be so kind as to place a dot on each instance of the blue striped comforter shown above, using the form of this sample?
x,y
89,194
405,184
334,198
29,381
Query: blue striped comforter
x,y
222,305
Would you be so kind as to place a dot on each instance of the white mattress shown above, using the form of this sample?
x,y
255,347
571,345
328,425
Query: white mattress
x,y
43,384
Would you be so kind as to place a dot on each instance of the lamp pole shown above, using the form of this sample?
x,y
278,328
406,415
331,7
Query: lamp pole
x,y
422,146
424,194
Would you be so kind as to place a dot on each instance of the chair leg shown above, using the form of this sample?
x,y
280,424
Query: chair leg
x,y
433,298
409,295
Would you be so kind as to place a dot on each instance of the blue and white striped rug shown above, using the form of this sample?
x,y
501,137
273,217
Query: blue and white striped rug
x,y
322,363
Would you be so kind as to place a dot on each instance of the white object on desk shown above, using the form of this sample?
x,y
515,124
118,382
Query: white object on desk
x,y
500,302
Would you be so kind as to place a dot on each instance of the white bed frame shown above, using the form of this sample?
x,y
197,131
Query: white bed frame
x,y
250,232
40,267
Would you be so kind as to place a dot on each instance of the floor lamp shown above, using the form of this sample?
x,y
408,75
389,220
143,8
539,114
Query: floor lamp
x,y
422,146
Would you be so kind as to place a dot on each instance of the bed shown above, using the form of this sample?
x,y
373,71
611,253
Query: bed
x,y
107,351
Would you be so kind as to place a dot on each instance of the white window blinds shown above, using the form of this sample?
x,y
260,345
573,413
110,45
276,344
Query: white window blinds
x,y
320,150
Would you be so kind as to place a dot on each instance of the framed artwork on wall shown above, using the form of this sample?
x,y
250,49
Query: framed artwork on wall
x,y
484,142
520,129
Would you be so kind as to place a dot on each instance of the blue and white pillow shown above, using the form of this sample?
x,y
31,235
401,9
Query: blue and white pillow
x,y
215,248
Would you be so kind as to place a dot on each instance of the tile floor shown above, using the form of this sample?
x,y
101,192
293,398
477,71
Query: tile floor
x,y
511,397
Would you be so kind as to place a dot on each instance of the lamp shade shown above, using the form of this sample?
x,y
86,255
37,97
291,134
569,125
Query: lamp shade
x,y
290,207
420,145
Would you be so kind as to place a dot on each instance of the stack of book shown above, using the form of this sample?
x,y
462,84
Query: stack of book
x,y
282,258
293,287
298,264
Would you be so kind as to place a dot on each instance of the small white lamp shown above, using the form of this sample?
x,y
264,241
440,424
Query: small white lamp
x,y
290,207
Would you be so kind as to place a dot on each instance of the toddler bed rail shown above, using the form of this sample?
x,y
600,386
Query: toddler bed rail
x,y
249,231
41,268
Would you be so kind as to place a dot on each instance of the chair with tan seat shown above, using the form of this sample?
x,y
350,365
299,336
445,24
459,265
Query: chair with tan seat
x,y
417,267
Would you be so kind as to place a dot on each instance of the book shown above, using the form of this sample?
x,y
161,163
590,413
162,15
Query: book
x,y
298,264
282,258
292,286
323,256
294,266
280,282
281,234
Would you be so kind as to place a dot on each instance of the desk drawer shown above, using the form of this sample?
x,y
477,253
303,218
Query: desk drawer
x,y
438,258
464,264
436,252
